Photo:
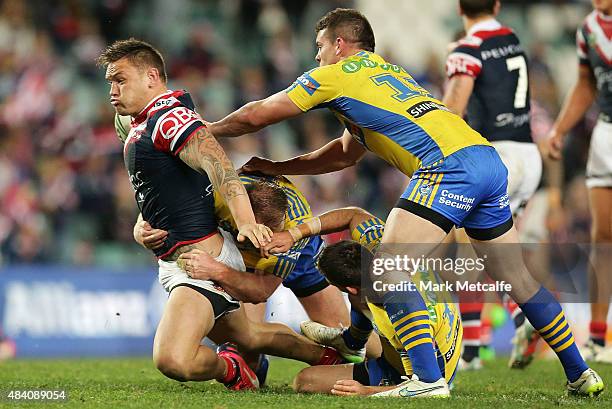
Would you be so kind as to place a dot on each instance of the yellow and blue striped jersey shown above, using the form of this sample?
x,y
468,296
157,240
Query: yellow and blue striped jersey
x,y
445,320
280,265
385,109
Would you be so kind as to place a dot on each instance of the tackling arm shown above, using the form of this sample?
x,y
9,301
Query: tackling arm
x,y
330,222
336,155
255,116
244,286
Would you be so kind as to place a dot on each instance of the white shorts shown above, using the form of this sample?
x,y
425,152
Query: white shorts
x,y
599,165
171,276
524,165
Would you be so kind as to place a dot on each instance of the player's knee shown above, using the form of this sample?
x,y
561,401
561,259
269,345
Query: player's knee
x,y
305,382
173,366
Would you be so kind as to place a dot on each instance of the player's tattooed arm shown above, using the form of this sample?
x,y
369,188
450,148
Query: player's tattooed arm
x,y
203,153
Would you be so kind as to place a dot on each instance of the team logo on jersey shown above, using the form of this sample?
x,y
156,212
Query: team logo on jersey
x,y
425,190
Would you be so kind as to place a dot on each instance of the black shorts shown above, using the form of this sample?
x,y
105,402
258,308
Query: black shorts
x,y
220,304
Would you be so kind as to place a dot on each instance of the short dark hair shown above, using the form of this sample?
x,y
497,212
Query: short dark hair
x,y
141,54
349,24
342,263
269,202
475,8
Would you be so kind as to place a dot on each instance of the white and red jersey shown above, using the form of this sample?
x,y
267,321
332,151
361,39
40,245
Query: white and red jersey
x,y
499,105
170,194
594,48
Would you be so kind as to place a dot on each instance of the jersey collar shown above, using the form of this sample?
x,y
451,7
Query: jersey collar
x,y
142,115
485,25
603,17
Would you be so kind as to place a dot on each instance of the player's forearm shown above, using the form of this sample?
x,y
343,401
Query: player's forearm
x,y
333,221
576,104
457,94
327,159
247,287
239,122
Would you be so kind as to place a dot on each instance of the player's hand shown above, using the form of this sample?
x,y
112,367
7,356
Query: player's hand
x,y
555,144
200,265
556,221
281,243
259,234
349,387
260,165
148,237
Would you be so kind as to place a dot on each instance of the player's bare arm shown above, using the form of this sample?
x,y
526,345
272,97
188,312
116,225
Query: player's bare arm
x,y
329,222
244,286
204,154
578,101
350,387
255,115
338,154
457,94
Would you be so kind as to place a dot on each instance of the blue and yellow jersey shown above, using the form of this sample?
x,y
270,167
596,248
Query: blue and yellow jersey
x,y
280,265
385,109
443,314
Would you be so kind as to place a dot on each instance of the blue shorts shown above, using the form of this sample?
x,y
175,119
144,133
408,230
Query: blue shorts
x,y
376,372
305,279
466,189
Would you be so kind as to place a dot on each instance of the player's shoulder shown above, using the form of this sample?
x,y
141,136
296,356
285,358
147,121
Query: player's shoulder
x,y
589,22
172,101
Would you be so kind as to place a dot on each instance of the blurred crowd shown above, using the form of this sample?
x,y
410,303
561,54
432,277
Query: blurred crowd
x,y
64,193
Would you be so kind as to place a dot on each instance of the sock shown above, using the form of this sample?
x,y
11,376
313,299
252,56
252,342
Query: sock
x,y
356,336
232,370
470,316
410,319
546,315
598,331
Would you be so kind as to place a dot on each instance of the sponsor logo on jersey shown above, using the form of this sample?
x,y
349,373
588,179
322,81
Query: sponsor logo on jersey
x,y
509,119
504,201
422,108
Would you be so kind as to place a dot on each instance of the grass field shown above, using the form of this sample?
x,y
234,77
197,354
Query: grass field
x,y
134,383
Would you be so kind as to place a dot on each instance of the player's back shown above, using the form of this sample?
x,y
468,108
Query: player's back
x,y
499,105
386,110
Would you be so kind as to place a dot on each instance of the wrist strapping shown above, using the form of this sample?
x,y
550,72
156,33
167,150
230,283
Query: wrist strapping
x,y
314,227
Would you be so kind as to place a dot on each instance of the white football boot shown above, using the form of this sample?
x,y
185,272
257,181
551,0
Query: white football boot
x,y
332,337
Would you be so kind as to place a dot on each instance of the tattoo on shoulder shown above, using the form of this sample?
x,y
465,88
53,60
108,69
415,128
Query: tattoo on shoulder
x,y
204,154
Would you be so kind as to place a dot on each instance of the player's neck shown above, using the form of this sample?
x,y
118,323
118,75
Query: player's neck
x,y
607,13
153,95
468,22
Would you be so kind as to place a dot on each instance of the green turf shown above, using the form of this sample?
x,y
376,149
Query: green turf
x,y
132,383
